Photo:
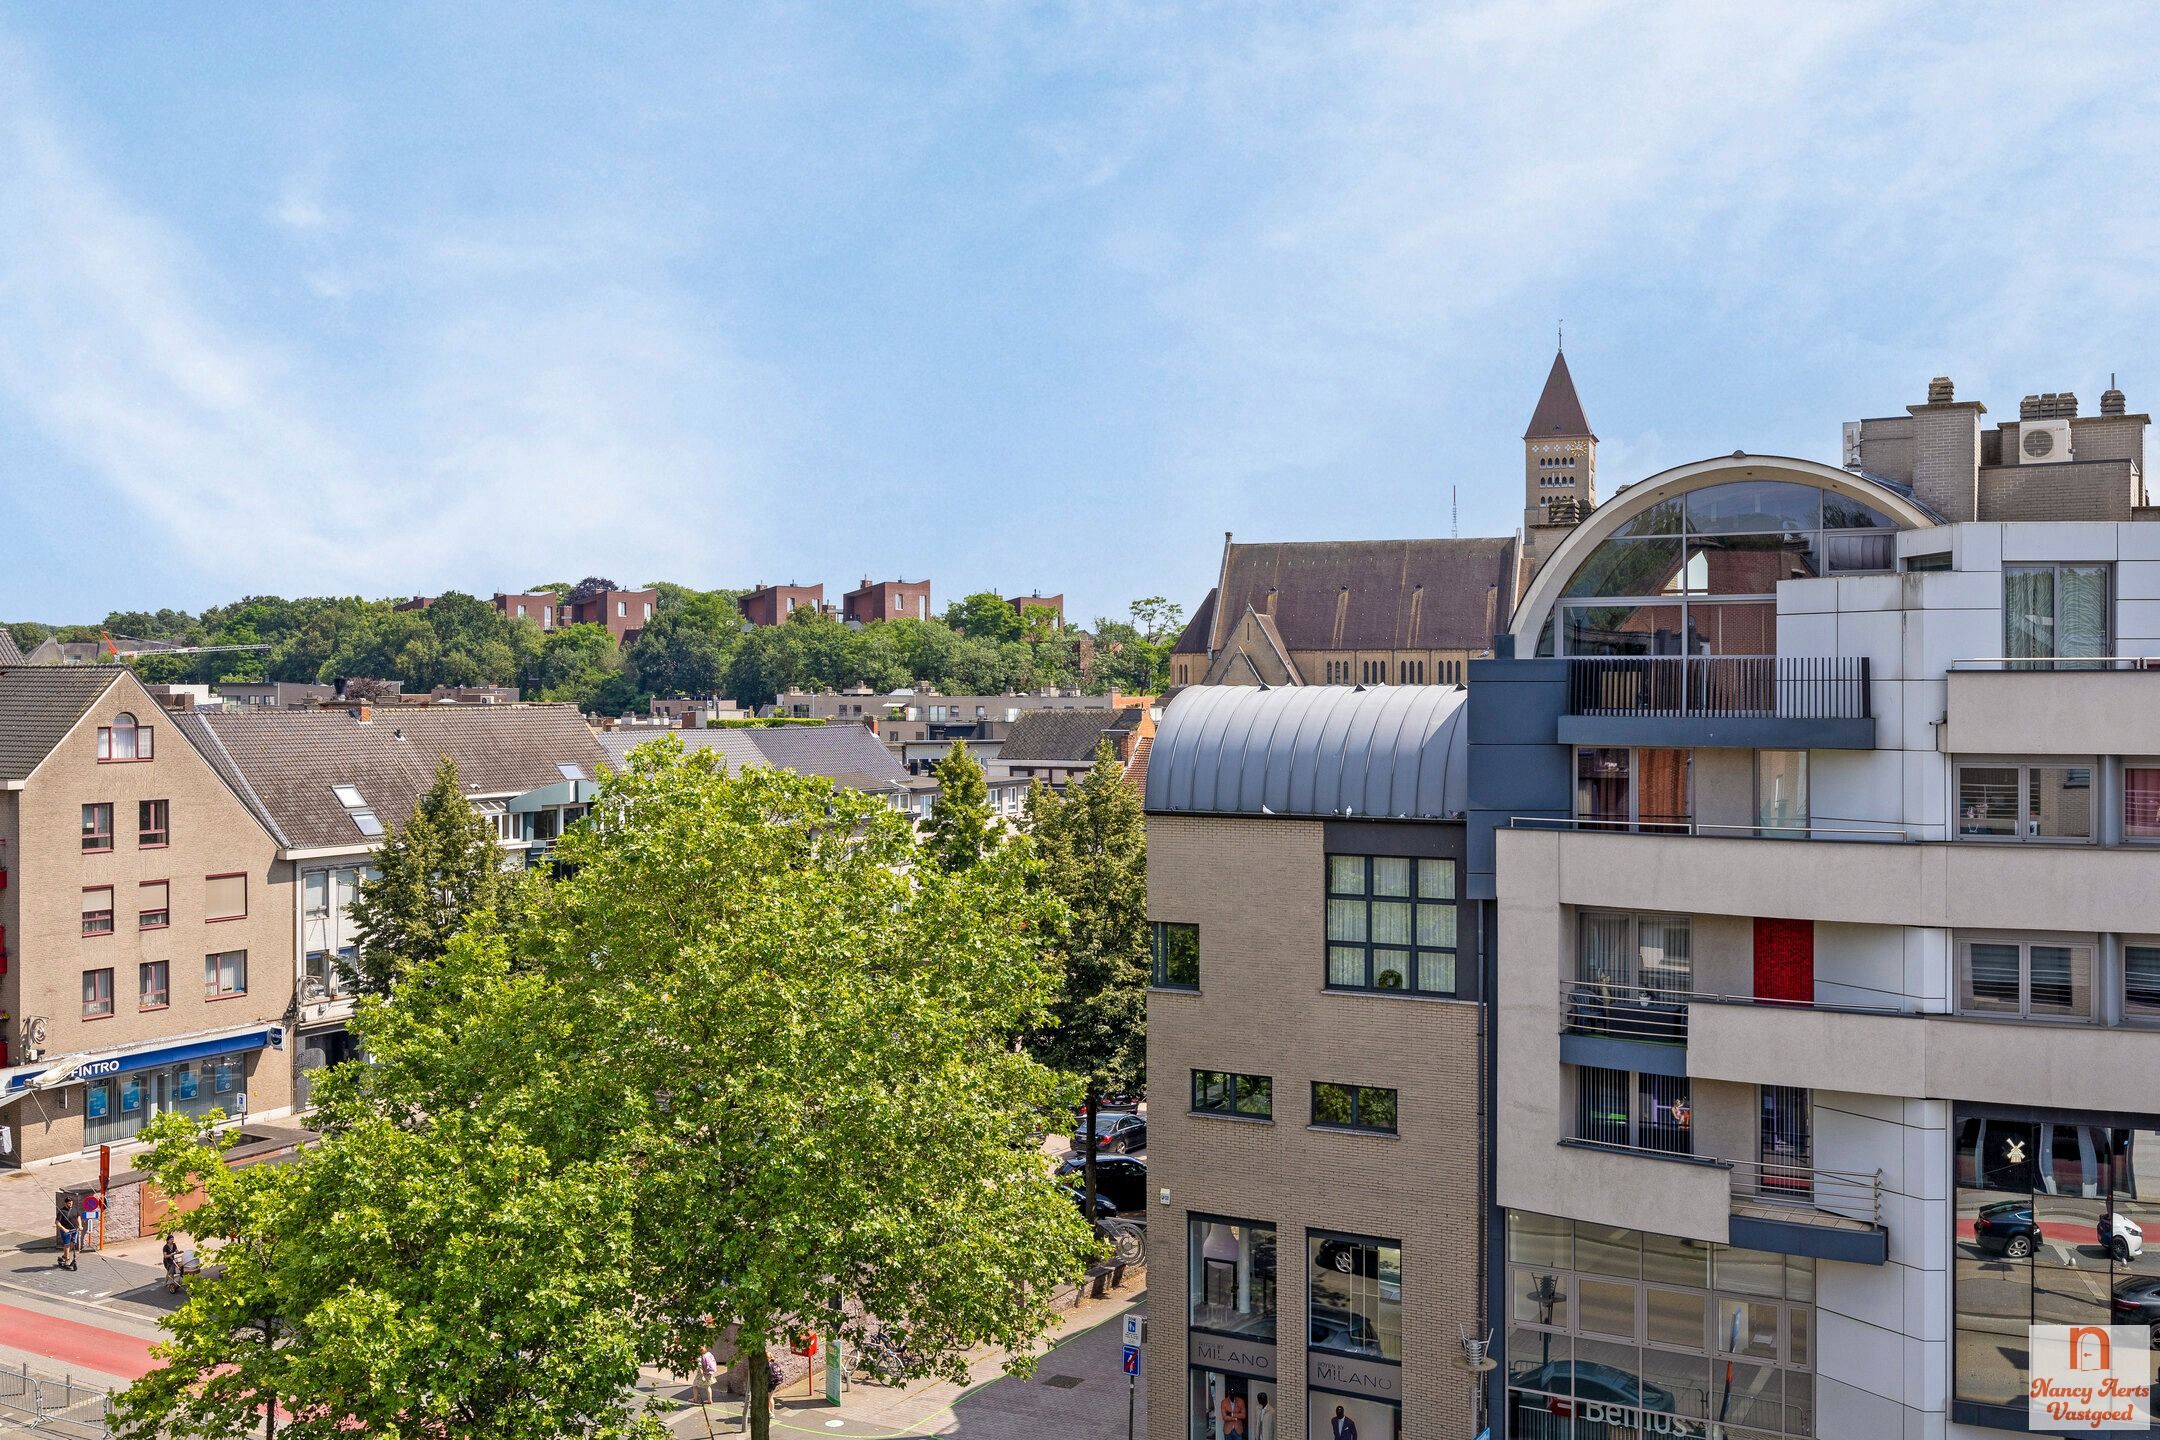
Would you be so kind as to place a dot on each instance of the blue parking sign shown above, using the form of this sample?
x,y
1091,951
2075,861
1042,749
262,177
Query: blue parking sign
x,y
1132,1360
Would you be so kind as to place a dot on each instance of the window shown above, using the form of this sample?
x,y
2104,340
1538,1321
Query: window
x,y
1633,975
1177,956
224,897
1353,1107
96,829
363,814
1645,790
2055,617
2141,981
2036,979
125,740
1232,1277
153,981
1354,1290
2141,803
151,827
1391,924
569,771
97,1001
1639,1112
2025,802
153,905
97,910
1218,1092
1781,793
225,974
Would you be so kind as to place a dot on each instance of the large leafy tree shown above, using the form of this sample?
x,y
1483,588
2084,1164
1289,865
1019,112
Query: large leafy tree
x,y
758,995
962,827
984,616
432,1277
1093,842
433,875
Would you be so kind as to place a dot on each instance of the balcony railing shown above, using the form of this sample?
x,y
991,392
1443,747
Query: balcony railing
x,y
1794,829
1719,687
1659,1015
1777,1189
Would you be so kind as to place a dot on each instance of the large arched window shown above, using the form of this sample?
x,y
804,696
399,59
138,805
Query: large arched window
x,y
126,740
1696,573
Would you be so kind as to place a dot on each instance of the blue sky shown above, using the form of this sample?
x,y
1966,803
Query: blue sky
x,y
399,298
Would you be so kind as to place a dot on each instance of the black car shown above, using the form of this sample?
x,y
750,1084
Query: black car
x,y
1105,1207
2007,1228
1118,1133
2137,1302
1569,1387
1121,1177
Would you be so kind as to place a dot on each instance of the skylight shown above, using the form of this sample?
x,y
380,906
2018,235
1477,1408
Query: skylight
x,y
363,815
569,771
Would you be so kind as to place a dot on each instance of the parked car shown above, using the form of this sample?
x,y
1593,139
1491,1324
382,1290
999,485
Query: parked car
x,y
1105,1207
2137,1302
2122,1237
1121,1177
1338,1327
2007,1228
1119,1134
1567,1386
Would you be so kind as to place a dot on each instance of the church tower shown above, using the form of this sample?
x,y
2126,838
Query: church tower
x,y
1559,463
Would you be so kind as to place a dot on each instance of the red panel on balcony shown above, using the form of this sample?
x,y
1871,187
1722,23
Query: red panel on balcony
x,y
1785,959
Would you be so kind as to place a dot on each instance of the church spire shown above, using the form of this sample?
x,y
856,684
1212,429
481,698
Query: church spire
x,y
1558,411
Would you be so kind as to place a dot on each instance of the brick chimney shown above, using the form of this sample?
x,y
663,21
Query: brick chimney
x,y
2111,400
1946,451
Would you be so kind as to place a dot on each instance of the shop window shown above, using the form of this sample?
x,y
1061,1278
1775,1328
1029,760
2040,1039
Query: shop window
x,y
2032,979
152,823
97,993
1353,1107
1231,1284
154,985
1391,924
1225,1404
97,833
1352,1417
2025,802
1354,1295
1176,950
225,974
153,905
125,740
1219,1092
97,910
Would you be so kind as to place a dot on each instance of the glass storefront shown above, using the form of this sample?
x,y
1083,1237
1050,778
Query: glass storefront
x,y
1231,1287
1354,1290
1617,1333
117,1108
2055,1217
1329,1416
1230,1406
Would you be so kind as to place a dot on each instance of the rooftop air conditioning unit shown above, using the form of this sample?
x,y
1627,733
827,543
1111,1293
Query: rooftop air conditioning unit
x,y
2043,442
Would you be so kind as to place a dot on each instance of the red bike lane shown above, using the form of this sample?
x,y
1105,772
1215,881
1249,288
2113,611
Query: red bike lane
x,y
74,1345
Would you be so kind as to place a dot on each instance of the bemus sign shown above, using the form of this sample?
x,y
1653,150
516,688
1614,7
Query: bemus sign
x,y
1223,1352
1375,1379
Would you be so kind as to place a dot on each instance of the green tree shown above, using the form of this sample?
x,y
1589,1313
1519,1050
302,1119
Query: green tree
x,y
572,663
438,1277
984,616
962,828
685,648
433,874
742,990
1093,843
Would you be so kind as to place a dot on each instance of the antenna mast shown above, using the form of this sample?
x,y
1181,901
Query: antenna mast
x,y
1454,513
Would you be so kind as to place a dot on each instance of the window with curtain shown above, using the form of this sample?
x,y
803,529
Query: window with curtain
x,y
2043,979
2141,981
2025,802
1391,923
2141,802
1781,793
2055,617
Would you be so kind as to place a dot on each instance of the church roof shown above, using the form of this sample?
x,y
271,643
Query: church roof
x,y
1363,594
1558,411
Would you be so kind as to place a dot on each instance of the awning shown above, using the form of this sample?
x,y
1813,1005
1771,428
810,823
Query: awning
x,y
562,792
96,1064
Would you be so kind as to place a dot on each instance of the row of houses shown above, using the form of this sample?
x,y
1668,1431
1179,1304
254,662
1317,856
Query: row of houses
x,y
870,601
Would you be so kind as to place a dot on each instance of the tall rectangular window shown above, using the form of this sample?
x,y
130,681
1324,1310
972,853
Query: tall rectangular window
x,y
2141,802
153,981
97,910
1781,793
1642,1112
1176,955
153,905
96,829
2141,981
2025,802
152,827
224,897
1354,1290
1231,1281
225,974
2055,617
1391,924
97,998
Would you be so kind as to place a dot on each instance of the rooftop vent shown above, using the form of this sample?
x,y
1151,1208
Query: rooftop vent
x,y
2111,399
2052,405
1941,391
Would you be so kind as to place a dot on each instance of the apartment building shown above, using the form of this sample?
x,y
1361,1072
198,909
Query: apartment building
x,y
1317,1147
328,786
145,931
622,613
538,606
1818,808
886,600
772,604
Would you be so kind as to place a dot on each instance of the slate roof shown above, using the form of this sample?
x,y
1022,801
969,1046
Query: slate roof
x,y
39,705
9,653
1558,411
1193,639
283,762
1386,753
846,754
1064,737
1368,594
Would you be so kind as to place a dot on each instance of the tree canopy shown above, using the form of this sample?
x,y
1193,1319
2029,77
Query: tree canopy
x,y
434,873
962,827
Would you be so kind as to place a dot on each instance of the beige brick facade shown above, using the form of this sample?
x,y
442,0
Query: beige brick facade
x,y
1255,887
211,833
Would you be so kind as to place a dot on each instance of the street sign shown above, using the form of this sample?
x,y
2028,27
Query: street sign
x,y
1135,1329
1132,1360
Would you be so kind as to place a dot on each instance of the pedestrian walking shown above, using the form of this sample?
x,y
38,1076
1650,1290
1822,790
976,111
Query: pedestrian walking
x,y
171,1254
708,1374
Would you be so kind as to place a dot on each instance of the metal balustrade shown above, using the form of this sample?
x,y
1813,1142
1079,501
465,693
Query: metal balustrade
x,y
1785,687
1651,1012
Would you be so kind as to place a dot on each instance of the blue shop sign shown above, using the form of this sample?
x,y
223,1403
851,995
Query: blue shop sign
x,y
152,1057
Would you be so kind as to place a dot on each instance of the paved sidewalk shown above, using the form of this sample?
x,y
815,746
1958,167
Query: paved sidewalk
x,y
1076,1393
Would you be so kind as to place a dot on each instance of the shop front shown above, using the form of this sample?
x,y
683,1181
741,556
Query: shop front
x,y
123,1090
1230,1341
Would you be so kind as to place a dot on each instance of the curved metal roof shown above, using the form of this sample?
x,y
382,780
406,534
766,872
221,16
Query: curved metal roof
x,y
1385,753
